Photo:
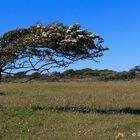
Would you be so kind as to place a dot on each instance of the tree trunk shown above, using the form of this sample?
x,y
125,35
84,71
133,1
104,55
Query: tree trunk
x,y
0,75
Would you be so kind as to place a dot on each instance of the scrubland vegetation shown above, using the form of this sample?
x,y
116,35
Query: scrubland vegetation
x,y
70,75
69,110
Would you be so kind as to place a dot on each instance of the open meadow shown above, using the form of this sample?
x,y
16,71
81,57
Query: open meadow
x,y
70,110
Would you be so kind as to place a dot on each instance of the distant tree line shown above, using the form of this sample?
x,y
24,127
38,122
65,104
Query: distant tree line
x,y
101,75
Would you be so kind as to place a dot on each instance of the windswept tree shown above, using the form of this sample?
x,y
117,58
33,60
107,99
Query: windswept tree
x,y
42,47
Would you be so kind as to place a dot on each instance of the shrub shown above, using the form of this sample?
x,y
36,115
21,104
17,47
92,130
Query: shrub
x,y
20,75
34,75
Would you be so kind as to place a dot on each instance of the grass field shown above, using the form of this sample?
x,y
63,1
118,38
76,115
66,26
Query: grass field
x,y
69,111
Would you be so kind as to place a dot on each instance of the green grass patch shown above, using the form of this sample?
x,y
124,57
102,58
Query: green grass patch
x,y
69,111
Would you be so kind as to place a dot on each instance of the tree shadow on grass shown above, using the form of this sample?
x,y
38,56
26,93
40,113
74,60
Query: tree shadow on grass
x,y
126,110
2,93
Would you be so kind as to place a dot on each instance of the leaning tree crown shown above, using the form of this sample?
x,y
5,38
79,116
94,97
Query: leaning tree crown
x,y
40,48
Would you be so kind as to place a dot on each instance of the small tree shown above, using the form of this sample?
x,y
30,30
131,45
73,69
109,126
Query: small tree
x,y
40,48
20,75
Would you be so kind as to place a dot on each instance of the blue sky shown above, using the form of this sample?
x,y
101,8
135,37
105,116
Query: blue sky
x,y
117,21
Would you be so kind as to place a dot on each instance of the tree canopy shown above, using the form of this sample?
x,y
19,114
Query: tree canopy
x,y
42,47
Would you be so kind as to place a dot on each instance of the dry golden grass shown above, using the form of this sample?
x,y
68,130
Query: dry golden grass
x,y
66,111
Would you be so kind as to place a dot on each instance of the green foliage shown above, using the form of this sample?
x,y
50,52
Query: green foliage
x,y
34,75
68,72
87,72
136,69
102,75
20,75
40,48
91,73
119,76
